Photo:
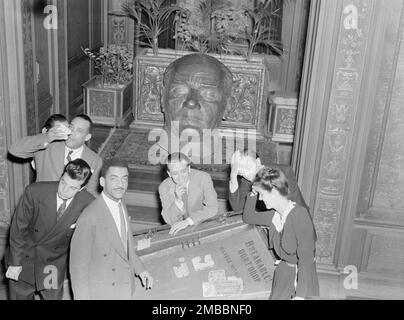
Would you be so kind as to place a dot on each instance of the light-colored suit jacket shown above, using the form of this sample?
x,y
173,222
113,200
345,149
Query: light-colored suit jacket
x,y
202,198
49,159
99,267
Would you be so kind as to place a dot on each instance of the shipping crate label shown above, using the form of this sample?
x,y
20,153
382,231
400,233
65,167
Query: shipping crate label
x,y
220,286
143,244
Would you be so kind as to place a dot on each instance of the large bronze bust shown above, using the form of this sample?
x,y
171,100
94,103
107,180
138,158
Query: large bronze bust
x,y
196,92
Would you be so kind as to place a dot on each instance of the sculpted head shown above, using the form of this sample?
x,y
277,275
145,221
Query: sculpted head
x,y
196,92
75,176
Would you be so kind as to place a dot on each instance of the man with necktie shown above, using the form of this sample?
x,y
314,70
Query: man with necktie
x,y
53,149
40,233
187,195
103,262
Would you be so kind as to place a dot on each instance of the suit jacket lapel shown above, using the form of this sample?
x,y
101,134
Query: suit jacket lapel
x,y
85,155
69,215
49,216
129,234
109,225
59,157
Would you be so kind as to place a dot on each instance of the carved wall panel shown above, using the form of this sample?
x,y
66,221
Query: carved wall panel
x,y
384,254
342,110
380,113
389,189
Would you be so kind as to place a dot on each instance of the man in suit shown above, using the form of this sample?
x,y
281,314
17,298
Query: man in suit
x,y
41,230
103,262
55,148
187,195
244,167
54,120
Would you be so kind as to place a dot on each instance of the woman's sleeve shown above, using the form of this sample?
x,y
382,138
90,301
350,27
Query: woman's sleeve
x,y
250,216
305,236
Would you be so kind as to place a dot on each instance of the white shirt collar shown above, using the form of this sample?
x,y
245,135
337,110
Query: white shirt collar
x,y
75,154
113,207
109,201
59,201
277,219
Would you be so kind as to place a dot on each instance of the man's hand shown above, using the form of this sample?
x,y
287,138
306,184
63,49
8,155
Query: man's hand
x,y
57,133
147,280
13,272
178,226
179,191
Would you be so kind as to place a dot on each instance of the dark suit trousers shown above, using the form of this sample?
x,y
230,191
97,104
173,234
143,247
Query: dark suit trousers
x,y
21,290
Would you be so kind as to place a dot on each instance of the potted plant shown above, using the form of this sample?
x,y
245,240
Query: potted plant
x,y
108,95
212,27
150,17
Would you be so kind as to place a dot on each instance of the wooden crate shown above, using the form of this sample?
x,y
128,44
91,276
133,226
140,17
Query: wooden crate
x,y
220,259
107,105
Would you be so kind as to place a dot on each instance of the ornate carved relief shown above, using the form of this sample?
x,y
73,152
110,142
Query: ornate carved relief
x,y
118,27
101,103
343,106
243,99
151,93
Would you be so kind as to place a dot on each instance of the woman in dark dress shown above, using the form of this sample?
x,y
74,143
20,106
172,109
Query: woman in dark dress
x,y
292,236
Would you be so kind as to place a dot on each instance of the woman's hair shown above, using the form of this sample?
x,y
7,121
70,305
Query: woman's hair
x,y
269,178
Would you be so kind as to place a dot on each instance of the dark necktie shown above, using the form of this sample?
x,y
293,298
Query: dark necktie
x,y
61,210
69,158
184,199
124,234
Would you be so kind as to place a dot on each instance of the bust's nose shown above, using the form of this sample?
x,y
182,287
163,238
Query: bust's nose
x,y
192,100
